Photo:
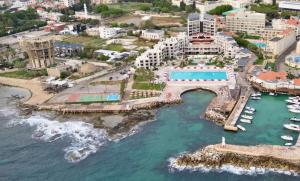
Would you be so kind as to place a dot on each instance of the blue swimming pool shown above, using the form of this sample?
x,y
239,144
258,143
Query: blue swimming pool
x,y
260,44
297,59
113,97
190,75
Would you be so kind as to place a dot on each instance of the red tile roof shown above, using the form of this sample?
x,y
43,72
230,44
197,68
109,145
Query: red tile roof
x,y
271,76
296,81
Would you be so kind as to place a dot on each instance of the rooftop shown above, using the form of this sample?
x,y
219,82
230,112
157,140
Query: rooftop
x,y
272,76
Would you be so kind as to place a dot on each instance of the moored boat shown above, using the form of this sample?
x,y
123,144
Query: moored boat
x,y
245,121
288,144
287,137
248,112
246,116
241,127
293,106
293,127
257,94
292,101
295,119
294,110
255,98
250,108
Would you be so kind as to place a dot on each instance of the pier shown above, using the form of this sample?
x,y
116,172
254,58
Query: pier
x,y
230,124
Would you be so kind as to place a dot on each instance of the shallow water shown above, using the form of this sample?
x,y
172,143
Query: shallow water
x,y
142,156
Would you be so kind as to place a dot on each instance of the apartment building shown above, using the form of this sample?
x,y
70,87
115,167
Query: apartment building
x,y
238,3
170,48
152,34
201,23
278,45
107,32
69,3
227,45
289,5
282,24
246,21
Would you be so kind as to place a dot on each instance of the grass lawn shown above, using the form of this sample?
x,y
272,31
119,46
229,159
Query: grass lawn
x,y
148,86
115,47
259,61
24,74
87,41
143,75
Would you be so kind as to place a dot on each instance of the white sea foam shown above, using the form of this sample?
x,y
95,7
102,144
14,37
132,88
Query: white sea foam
x,y
173,166
85,139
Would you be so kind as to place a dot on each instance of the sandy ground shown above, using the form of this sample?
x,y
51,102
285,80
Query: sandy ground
x,y
38,95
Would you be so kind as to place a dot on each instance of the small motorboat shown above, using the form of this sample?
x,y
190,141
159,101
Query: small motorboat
x,y
250,108
292,101
246,121
294,110
287,137
246,116
272,94
257,94
295,119
241,127
288,144
293,106
255,98
293,127
248,112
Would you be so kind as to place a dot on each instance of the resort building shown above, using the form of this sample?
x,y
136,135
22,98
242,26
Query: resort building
x,y
170,48
201,23
153,34
289,5
107,32
275,82
278,45
39,51
282,24
239,3
246,21
293,60
69,3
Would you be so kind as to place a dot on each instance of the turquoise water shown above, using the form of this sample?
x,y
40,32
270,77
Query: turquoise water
x,y
143,156
113,97
260,44
216,75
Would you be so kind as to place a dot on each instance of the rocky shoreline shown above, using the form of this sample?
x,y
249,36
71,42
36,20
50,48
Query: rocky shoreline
x,y
212,158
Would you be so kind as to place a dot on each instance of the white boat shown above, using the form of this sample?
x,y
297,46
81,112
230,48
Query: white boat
x,y
241,127
288,144
272,94
287,137
293,127
292,101
293,106
294,98
257,94
246,116
250,108
295,119
256,98
245,121
248,112
294,110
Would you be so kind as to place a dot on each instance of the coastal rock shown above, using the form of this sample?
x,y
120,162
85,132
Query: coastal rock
x,y
211,158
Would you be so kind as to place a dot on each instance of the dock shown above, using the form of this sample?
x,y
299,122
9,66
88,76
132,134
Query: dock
x,y
230,124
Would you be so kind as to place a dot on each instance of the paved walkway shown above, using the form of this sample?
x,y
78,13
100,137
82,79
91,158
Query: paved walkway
x,y
38,95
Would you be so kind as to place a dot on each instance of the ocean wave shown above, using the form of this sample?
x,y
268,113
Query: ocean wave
x,y
173,166
85,139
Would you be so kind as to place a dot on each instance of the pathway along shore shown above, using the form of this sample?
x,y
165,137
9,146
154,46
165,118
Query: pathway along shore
x,y
38,95
277,158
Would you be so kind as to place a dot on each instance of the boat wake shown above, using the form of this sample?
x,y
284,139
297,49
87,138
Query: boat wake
x,y
85,139
173,166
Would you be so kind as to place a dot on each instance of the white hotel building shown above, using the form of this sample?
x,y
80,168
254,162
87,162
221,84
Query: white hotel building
x,y
201,23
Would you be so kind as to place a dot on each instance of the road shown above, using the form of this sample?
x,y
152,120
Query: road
x,y
279,63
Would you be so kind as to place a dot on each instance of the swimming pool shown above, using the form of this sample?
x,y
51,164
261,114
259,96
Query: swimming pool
x,y
260,44
196,75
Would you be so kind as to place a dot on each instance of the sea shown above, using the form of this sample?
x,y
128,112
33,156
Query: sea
x,y
40,147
